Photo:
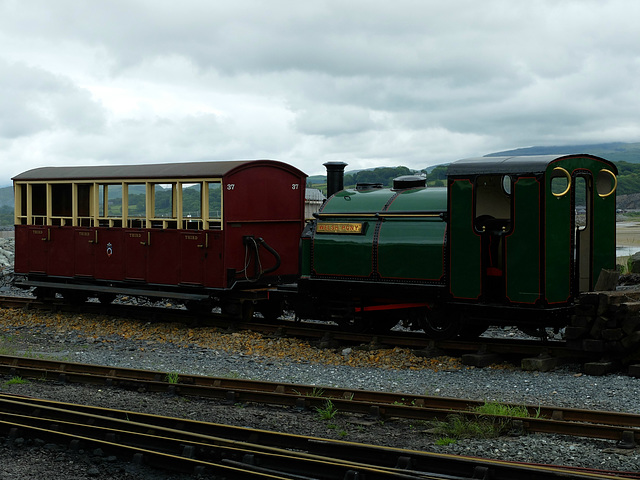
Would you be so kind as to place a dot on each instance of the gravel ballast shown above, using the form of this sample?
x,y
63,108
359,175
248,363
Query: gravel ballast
x,y
172,348
206,351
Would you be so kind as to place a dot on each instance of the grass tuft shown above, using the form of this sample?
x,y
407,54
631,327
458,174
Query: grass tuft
x,y
328,411
16,381
492,420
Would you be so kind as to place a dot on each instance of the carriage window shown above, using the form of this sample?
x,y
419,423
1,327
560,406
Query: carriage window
x,y
23,200
61,204
61,199
110,204
136,204
215,201
163,200
110,200
39,204
191,205
493,201
163,205
84,204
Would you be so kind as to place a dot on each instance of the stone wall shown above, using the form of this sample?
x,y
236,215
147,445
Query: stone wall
x,y
606,326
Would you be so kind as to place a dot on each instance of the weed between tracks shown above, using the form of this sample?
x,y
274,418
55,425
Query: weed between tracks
x,y
16,381
328,411
491,420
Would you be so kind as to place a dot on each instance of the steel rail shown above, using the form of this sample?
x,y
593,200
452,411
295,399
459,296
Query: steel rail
x,y
541,419
214,446
322,332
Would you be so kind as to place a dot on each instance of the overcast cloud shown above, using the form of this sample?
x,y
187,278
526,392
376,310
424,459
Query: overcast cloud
x,y
371,83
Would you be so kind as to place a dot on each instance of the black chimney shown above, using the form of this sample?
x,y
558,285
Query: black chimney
x,y
335,177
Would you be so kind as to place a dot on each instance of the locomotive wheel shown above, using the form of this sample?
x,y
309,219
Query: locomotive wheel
x,y
369,323
472,329
355,325
438,324
382,323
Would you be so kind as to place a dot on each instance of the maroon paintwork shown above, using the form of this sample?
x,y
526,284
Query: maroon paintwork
x,y
261,198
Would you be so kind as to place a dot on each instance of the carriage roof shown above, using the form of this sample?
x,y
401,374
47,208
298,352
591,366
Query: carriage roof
x,y
162,170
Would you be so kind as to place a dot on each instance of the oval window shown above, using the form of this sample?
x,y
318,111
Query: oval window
x,y
606,183
560,182
506,184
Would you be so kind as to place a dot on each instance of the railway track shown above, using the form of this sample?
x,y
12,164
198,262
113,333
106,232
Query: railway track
x,y
323,334
621,427
236,452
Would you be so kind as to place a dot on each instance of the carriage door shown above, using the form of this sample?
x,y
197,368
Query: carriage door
x,y
194,248
582,195
38,241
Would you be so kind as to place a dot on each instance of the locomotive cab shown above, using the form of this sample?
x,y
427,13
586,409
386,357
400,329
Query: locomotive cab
x,y
516,242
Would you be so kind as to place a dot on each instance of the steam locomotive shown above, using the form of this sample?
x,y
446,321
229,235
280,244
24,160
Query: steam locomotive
x,y
501,244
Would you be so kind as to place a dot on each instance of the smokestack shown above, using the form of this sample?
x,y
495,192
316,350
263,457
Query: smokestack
x,y
335,177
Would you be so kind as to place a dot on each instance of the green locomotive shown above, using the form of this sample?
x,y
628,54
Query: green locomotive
x,y
510,241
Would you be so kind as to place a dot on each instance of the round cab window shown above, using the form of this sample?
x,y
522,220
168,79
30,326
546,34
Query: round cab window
x,y
606,183
560,182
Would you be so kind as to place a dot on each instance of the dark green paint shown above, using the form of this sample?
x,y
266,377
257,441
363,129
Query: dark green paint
x,y
464,242
412,248
523,260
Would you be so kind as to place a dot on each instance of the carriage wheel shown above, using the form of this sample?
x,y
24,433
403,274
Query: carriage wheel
x,y
73,297
198,306
106,298
43,294
271,310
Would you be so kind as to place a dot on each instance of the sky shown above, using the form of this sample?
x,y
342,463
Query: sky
x,y
371,83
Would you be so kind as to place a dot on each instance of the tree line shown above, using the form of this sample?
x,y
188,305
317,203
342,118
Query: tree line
x,y
628,178
385,175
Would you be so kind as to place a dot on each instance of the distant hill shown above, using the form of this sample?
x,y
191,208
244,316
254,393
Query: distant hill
x,y
616,152
6,196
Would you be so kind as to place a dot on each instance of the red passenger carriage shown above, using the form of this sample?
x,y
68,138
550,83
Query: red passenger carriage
x,y
193,231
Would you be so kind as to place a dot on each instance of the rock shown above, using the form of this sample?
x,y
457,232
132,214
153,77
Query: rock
x,y
634,263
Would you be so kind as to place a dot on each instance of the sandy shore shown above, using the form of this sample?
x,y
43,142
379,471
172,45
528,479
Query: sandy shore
x,y
627,235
